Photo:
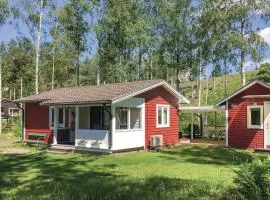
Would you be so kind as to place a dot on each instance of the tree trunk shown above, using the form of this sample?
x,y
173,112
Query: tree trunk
x,y
242,64
151,69
177,79
78,70
21,87
1,94
226,78
38,45
53,65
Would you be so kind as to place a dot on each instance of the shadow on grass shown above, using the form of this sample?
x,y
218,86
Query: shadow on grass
x,y
40,176
208,155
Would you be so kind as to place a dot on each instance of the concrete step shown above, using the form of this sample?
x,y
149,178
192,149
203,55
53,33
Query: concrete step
x,y
61,149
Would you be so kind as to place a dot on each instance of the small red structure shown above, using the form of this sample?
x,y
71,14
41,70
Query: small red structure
x,y
248,116
107,118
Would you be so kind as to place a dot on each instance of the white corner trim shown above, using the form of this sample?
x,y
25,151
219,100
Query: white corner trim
x,y
162,83
227,122
168,116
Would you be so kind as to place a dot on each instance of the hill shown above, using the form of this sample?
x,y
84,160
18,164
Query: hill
x,y
216,88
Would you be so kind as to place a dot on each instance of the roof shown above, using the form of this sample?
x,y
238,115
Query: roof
x,y
107,93
241,90
201,109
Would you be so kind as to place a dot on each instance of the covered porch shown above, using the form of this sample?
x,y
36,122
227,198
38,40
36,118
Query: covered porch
x,y
99,127
205,132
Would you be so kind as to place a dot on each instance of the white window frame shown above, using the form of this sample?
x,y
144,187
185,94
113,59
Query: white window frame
x,y
249,125
162,125
128,119
50,117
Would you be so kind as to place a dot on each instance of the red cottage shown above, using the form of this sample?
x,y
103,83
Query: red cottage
x,y
106,118
248,116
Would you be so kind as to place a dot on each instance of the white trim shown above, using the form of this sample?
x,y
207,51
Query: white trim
x,y
227,122
265,125
55,125
162,125
249,125
241,90
24,129
256,96
181,98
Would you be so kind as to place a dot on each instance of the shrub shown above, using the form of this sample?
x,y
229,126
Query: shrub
x,y
252,181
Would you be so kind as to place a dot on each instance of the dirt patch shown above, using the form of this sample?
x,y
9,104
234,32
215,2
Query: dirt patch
x,y
14,151
8,142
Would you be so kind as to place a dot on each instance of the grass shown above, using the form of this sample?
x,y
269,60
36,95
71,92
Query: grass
x,y
178,173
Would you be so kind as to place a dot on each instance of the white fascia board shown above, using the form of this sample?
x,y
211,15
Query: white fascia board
x,y
241,90
163,83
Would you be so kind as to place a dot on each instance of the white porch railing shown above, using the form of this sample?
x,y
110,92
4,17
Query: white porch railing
x,y
98,139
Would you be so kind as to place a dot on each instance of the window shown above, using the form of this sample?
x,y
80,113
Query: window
x,y
52,117
163,114
121,118
128,118
135,118
255,117
95,118
61,116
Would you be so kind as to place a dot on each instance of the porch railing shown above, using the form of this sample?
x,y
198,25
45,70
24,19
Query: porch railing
x,y
92,138
63,136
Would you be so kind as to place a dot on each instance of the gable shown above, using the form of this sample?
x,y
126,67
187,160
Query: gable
x,y
253,88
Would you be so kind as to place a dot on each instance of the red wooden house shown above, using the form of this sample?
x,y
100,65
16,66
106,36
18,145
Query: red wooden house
x,y
248,116
108,117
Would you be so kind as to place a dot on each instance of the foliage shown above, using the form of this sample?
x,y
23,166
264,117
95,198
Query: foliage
x,y
4,11
252,181
264,72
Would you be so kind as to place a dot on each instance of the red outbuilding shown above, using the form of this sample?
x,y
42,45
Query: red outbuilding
x,y
248,116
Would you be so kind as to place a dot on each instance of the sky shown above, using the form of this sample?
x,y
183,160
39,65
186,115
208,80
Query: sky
x,y
14,31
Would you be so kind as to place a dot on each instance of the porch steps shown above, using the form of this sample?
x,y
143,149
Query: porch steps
x,y
61,149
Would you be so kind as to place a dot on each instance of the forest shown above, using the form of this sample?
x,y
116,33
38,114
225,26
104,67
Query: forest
x,y
87,42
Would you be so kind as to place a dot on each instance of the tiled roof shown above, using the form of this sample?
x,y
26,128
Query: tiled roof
x,y
91,94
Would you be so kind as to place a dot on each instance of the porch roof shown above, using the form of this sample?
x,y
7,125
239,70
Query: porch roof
x,y
106,93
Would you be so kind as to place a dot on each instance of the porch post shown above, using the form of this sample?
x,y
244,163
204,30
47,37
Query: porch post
x,y
112,127
55,125
76,118
191,128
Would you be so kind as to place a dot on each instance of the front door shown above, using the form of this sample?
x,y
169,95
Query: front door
x,y
267,125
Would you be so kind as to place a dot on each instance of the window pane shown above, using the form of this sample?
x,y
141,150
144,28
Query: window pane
x,y
159,115
121,118
135,118
255,116
61,116
84,117
165,116
52,117
96,117
106,118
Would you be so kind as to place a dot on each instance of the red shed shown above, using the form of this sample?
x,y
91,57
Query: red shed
x,y
110,117
248,116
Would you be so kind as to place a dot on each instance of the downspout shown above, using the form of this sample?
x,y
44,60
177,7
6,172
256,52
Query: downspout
x,y
20,107
110,130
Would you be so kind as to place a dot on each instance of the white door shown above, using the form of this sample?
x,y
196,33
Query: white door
x,y
266,124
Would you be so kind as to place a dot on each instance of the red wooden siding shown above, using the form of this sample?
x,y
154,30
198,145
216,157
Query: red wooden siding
x,y
37,120
153,97
239,134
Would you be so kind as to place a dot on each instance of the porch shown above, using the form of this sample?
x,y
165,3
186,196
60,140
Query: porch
x,y
96,127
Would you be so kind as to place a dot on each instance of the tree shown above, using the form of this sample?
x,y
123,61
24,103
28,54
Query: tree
x,y
246,40
264,72
176,35
74,23
4,11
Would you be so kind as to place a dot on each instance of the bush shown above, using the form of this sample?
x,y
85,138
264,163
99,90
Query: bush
x,y
252,181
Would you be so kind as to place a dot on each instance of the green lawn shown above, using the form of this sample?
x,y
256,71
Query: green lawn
x,y
178,173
